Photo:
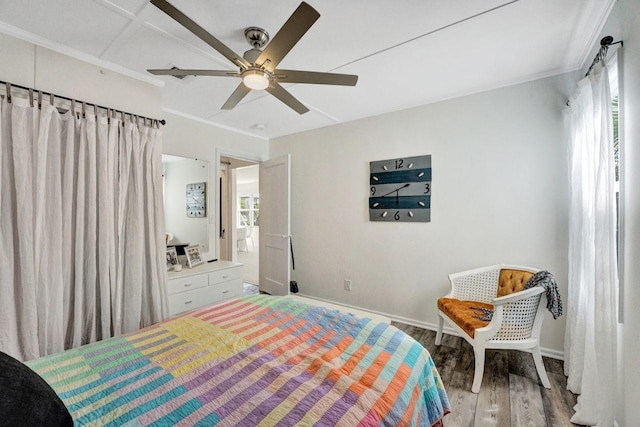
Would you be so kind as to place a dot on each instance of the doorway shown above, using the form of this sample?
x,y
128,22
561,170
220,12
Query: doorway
x,y
240,217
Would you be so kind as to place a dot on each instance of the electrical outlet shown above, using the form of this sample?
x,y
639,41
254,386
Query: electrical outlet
x,y
347,285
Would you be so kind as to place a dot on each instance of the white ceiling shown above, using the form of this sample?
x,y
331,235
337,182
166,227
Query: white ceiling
x,y
407,53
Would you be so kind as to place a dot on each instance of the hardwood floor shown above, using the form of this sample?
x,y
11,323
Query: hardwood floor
x,y
511,394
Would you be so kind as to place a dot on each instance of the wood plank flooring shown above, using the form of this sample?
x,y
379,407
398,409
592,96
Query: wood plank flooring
x,y
511,393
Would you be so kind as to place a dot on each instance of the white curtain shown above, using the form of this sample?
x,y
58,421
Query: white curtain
x,y
81,229
590,338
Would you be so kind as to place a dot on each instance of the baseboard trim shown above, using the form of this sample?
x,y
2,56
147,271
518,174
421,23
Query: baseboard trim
x,y
547,352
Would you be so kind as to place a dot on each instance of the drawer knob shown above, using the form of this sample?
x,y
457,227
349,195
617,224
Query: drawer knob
x,y
188,302
187,285
224,277
225,291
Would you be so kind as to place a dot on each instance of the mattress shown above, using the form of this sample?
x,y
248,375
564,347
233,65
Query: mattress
x,y
256,360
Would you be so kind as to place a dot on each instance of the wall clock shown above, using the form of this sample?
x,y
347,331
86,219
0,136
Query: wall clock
x,y
400,189
196,200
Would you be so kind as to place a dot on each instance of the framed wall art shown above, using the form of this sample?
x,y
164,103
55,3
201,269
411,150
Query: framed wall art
x,y
197,200
400,189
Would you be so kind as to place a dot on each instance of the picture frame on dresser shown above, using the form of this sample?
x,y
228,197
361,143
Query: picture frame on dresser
x,y
194,257
172,257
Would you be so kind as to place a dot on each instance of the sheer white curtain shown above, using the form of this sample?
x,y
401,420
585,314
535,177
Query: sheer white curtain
x,y
81,229
590,338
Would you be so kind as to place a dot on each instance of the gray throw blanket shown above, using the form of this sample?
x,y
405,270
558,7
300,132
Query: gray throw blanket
x,y
541,278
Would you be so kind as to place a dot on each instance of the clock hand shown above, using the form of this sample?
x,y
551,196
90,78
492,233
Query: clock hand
x,y
397,189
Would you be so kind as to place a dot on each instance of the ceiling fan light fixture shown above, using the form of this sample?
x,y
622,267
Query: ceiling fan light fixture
x,y
255,79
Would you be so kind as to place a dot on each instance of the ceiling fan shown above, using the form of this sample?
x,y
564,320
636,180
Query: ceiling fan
x,y
256,67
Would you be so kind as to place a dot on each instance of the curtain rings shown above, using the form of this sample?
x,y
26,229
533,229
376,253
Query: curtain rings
x,y
84,110
8,89
52,99
31,97
39,100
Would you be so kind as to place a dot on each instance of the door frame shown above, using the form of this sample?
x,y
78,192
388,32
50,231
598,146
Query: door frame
x,y
222,152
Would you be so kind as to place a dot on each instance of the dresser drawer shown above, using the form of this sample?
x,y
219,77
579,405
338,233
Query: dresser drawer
x,y
225,275
187,283
226,290
190,300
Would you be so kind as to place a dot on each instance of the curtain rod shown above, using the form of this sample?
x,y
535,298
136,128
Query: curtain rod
x,y
605,42
31,90
602,52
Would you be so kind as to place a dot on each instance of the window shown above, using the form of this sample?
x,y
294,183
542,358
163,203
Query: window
x,y
618,154
249,211
615,109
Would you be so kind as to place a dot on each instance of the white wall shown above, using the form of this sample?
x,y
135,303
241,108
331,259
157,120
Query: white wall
x,y
26,64
499,196
195,139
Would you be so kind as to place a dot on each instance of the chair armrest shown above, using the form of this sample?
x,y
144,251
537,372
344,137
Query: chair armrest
x,y
517,296
521,314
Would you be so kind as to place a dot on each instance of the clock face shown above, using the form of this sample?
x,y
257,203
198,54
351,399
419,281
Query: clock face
x,y
400,189
196,200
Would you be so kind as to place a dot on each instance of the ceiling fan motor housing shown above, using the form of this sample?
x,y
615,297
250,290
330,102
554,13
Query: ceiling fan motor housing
x,y
257,37
252,55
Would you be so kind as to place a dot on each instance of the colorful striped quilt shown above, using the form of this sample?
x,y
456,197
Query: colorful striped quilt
x,y
257,360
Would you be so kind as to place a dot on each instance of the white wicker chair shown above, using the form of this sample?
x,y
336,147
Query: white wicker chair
x,y
517,316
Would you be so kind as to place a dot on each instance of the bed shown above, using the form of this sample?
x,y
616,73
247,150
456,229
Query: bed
x,y
256,360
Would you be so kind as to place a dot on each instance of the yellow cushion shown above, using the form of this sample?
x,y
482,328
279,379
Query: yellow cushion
x,y
463,315
511,281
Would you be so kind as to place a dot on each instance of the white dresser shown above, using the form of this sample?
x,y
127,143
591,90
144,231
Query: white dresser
x,y
202,285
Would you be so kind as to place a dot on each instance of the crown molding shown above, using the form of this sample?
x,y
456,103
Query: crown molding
x,y
217,125
74,53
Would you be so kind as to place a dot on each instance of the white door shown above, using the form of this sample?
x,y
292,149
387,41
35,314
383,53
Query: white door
x,y
274,225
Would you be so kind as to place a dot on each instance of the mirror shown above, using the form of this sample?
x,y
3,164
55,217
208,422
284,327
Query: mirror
x,y
186,201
